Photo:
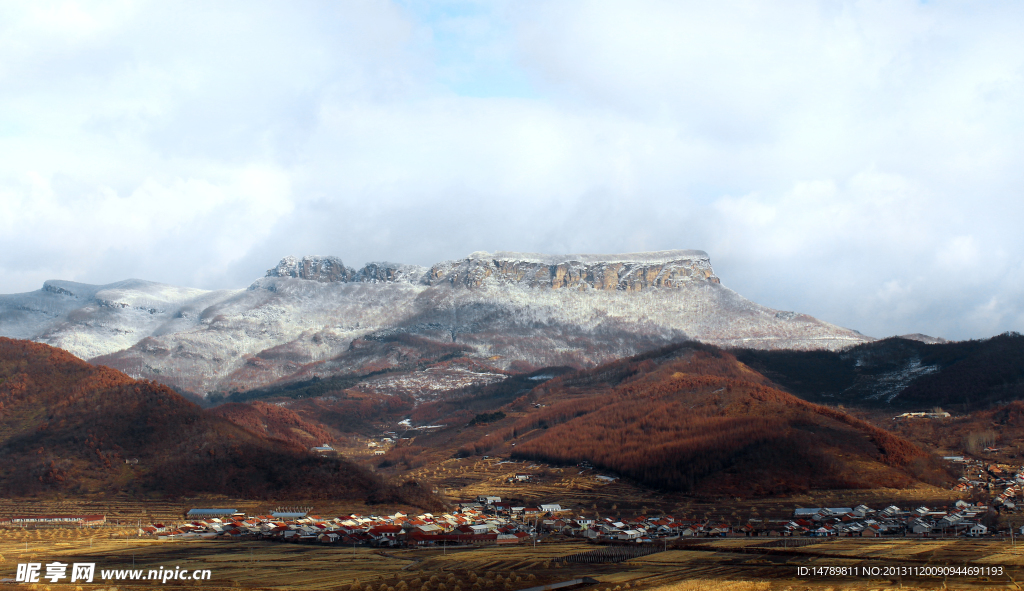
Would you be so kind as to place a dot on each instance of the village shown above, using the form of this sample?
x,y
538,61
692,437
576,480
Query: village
x,y
489,520
995,490
989,477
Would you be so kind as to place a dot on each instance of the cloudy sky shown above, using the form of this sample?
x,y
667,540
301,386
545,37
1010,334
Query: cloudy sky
x,y
862,162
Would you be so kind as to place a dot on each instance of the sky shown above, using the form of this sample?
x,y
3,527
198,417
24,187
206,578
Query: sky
x,y
859,161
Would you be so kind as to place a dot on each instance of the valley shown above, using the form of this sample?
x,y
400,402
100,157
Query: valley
x,y
625,390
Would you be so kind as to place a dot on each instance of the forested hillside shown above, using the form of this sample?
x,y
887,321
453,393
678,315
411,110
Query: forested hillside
x,y
68,426
902,374
692,418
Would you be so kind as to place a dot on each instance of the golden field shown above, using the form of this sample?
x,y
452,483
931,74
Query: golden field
x,y
733,564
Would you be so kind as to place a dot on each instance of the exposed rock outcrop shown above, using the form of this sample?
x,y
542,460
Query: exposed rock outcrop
x,y
627,272
327,269
513,309
313,268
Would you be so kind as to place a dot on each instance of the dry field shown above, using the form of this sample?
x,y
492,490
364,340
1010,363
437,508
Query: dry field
x,y
458,479
115,509
467,478
582,490
736,564
132,511
233,564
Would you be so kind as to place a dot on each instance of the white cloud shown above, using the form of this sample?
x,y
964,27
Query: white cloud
x,y
857,160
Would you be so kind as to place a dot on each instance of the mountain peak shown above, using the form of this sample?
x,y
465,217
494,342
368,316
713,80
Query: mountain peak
x,y
325,269
330,269
514,309
654,257
606,272
923,338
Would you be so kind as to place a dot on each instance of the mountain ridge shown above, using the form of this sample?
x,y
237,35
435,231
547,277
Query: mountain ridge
x,y
687,418
902,373
329,268
303,317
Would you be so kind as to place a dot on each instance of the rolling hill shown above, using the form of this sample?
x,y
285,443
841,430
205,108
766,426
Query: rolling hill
x,y
689,418
994,435
70,427
902,374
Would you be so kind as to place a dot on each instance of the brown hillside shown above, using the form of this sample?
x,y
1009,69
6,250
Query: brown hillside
x,y
275,422
68,426
1000,429
692,418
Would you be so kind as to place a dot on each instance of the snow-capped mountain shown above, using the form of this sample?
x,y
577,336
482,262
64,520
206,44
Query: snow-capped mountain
x,y
91,320
315,316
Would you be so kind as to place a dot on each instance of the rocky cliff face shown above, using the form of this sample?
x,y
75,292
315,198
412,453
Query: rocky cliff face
x,y
629,272
332,270
306,316
322,269
625,272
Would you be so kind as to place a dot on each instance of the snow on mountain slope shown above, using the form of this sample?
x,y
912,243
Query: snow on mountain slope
x,y
91,320
308,316
267,332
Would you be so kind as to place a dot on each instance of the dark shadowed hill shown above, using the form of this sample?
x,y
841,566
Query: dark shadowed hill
x,y
692,418
68,426
902,374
